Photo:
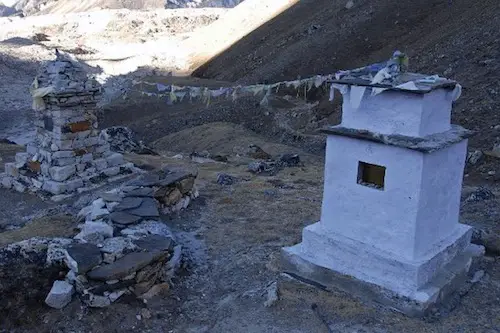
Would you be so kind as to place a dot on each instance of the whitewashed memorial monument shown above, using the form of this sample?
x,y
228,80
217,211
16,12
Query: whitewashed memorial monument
x,y
389,229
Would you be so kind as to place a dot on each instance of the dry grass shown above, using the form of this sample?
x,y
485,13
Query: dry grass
x,y
47,226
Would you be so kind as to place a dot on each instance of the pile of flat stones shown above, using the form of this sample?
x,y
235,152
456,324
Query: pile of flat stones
x,y
123,247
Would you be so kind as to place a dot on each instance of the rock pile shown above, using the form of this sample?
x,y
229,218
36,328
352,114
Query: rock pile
x,y
69,152
123,247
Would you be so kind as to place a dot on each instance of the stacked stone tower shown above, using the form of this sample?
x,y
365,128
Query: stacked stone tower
x,y
68,154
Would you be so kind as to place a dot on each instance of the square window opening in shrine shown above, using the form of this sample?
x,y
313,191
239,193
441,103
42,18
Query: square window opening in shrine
x,y
371,175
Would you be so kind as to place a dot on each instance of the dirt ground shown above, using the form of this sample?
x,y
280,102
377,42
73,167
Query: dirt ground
x,y
232,236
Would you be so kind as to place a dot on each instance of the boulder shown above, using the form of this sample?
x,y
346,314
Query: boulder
x,y
81,258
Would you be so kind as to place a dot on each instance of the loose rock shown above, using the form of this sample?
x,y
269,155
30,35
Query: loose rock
x,y
60,295
81,258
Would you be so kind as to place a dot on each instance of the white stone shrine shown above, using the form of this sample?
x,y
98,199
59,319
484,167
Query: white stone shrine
x,y
389,218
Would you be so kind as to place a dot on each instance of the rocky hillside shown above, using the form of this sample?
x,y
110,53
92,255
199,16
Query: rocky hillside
x,y
40,7
450,38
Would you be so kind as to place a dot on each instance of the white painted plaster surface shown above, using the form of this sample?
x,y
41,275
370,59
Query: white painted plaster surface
x,y
387,218
417,208
439,198
364,262
392,112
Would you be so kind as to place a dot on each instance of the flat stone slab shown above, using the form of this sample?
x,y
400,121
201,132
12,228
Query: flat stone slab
x,y
426,144
128,203
140,192
161,178
111,197
81,258
124,218
124,266
155,243
148,208
117,245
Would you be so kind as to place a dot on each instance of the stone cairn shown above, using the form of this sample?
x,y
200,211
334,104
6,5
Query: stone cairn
x,y
69,153
123,246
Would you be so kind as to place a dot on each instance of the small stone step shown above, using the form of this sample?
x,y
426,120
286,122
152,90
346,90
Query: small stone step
x,y
124,218
130,263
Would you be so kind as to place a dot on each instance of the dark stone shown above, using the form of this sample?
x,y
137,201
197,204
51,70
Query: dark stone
x,y
225,179
480,194
101,289
48,123
148,208
124,266
140,192
111,197
123,218
83,257
161,178
290,160
145,180
128,203
155,243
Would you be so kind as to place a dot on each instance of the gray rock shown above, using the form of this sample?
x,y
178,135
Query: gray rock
x,y
474,157
173,265
60,295
98,213
225,179
146,228
56,252
94,227
271,295
140,192
111,197
117,245
148,208
128,203
480,194
154,243
130,263
477,276
63,173
95,301
81,258
290,160
124,218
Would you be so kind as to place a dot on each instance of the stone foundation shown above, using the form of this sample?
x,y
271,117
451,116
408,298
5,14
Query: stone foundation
x,y
69,153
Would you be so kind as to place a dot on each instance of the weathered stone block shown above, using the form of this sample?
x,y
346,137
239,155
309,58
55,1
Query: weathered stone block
x,y
87,158
113,171
62,173
11,170
64,161
74,184
81,258
6,180
18,186
22,158
92,141
100,164
63,154
54,187
60,295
